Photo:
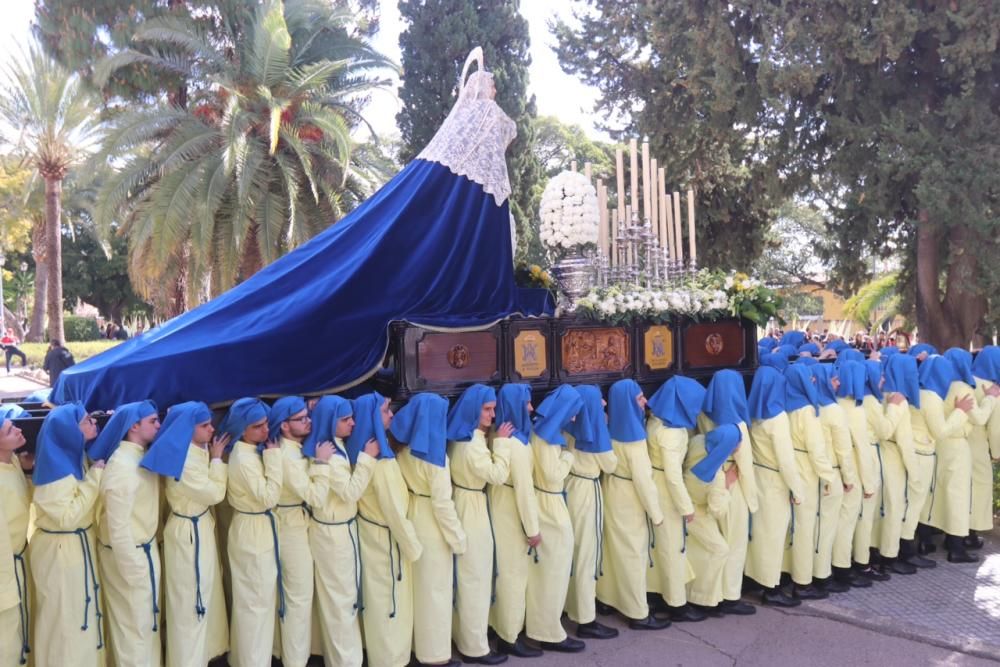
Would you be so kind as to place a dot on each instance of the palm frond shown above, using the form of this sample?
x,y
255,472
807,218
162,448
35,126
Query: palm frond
x,y
872,297
269,57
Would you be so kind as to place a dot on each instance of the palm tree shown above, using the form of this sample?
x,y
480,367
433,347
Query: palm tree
x,y
258,157
875,301
56,121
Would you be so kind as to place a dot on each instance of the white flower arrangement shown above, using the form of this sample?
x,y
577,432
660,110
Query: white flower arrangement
x,y
568,213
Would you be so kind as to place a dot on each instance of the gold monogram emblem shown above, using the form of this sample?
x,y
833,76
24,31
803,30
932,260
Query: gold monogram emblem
x,y
458,356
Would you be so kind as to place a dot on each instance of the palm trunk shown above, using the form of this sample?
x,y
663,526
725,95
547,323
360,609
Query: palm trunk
x,y
53,247
251,262
36,328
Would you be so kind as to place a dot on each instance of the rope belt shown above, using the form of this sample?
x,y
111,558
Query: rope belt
x,y
199,604
395,566
88,571
22,602
819,513
933,480
269,513
598,523
791,502
303,506
356,547
766,467
881,479
493,536
147,548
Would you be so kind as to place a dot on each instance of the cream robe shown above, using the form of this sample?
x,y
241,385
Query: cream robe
x,y
949,507
389,547
130,557
865,481
899,463
548,576
931,425
515,517
194,638
473,466
633,509
743,503
432,513
707,548
254,488
15,608
62,553
878,429
585,503
779,481
304,483
840,451
984,442
334,539
817,474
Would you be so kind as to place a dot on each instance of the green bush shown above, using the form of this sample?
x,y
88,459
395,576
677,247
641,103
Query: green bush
x,y
80,328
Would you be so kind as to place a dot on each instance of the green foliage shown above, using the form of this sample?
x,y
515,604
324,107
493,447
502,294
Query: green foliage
x,y
80,328
438,37
80,349
876,298
558,144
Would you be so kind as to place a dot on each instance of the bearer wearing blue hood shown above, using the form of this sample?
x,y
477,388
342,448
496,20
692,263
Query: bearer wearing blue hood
x,y
515,522
389,541
673,417
255,478
130,555
422,426
781,485
984,441
190,458
709,485
632,504
473,466
333,534
15,502
67,616
589,440
305,482
548,578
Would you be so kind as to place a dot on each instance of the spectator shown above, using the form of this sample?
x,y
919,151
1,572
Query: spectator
x,y
121,333
57,359
10,349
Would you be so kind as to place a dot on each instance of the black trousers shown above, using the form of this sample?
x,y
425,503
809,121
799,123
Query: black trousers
x,y
10,351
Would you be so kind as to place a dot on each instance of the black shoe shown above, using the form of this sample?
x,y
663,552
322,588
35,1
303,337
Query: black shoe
x,y
685,614
848,576
962,556
657,605
897,566
450,663
809,592
925,547
973,541
491,658
778,598
831,585
714,612
649,623
737,608
595,630
518,649
568,645
873,574
604,609
916,560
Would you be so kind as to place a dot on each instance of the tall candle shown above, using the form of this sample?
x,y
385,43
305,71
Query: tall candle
x,y
654,208
572,166
587,169
691,242
614,237
678,230
627,223
602,221
646,192
620,167
633,147
671,239
662,198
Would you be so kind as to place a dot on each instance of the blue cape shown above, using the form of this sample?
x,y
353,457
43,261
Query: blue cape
x,y
849,354
987,364
839,346
901,376
325,415
775,360
767,393
936,374
241,414
463,418
922,347
824,389
626,420
852,381
962,361
789,351
512,406
368,425
117,428
167,454
12,411
678,401
726,399
811,348
555,413
720,443
807,361
38,396
283,409
793,338
422,424
767,342
873,378
59,450
590,428
800,391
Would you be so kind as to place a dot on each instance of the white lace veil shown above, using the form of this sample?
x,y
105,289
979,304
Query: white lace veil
x,y
480,84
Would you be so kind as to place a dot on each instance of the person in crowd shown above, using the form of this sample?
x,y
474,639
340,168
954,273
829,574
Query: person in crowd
x,y
333,534
590,442
421,425
673,417
57,359
632,504
516,524
255,482
878,430
15,501
389,541
984,443
188,454
548,576
305,482
129,519
473,467
780,484
9,343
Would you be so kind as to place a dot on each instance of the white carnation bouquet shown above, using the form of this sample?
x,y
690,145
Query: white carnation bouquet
x,y
568,212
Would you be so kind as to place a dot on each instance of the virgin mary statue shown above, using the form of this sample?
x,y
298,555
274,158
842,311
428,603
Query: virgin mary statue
x,y
431,247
